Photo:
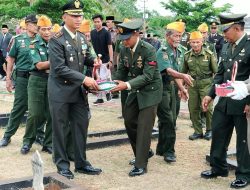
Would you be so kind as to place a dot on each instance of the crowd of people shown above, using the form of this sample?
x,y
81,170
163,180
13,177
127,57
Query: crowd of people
x,y
52,68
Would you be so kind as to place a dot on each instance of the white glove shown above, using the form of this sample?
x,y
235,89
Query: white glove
x,y
240,90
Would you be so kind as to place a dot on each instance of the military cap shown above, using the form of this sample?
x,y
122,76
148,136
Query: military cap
x,y
110,18
22,24
214,23
73,7
31,18
44,21
56,28
177,26
195,35
126,29
203,27
4,26
228,20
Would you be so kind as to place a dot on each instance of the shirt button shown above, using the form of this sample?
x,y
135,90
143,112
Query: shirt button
x,y
138,91
133,66
228,70
133,75
65,81
230,59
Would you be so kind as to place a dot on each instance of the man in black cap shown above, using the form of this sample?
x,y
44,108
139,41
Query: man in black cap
x,y
19,55
229,113
68,53
138,67
4,42
215,38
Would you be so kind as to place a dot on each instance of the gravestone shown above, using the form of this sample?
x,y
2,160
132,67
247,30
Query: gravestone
x,y
37,167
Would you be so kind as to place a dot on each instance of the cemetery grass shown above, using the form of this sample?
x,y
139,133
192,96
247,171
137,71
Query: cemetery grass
x,y
182,175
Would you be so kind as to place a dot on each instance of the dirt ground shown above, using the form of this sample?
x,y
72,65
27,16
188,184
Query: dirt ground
x,y
182,175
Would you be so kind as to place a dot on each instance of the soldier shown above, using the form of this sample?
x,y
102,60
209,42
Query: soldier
x,y
38,105
20,55
169,58
229,113
138,67
68,53
203,28
215,38
201,64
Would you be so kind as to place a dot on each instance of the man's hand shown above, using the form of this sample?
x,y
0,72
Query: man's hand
x,y
9,85
247,110
91,83
187,79
121,86
183,94
205,103
97,62
240,90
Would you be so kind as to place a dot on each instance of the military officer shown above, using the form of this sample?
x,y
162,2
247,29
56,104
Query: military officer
x,y
203,28
229,113
20,55
215,38
201,64
68,53
38,105
169,57
138,73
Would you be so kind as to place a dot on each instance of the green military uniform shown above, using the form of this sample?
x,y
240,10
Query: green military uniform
x,y
166,58
229,113
139,69
201,67
20,50
37,95
211,47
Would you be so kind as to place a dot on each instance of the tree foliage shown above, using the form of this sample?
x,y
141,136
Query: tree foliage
x,y
197,12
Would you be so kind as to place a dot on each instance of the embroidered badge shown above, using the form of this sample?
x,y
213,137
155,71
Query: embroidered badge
x,y
139,62
165,56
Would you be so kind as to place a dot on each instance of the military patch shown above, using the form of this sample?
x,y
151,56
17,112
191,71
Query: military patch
x,y
71,59
139,62
165,56
126,64
152,63
58,34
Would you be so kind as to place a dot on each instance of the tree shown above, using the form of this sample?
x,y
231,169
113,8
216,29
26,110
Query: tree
x,y
197,12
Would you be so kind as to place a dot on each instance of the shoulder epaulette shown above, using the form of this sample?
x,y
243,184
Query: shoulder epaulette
x,y
208,51
58,34
188,52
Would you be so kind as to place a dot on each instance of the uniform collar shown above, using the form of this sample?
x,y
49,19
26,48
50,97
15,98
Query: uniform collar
x,y
134,48
238,41
72,35
201,53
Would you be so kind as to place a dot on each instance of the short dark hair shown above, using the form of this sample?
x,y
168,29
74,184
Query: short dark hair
x,y
97,16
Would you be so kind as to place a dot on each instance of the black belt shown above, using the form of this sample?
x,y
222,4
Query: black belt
x,y
201,77
39,74
24,74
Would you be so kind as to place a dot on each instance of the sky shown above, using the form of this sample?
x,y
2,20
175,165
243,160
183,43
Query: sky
x,y
239,6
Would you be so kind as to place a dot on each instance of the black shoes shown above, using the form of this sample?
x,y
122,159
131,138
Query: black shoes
x,y
5,141
137,171
66,173
98,101
209,174
238,184
25,149
47,149
150,154
170,158
90,170
208,135
195,136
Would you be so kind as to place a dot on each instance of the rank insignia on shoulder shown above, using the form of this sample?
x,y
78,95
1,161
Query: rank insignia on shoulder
x,y
58,34
152,63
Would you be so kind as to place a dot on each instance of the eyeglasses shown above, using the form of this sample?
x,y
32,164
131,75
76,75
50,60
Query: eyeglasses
x,y
213,27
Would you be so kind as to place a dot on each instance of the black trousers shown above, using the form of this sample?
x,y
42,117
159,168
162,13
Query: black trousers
x,y
139,125
77,115
222,129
